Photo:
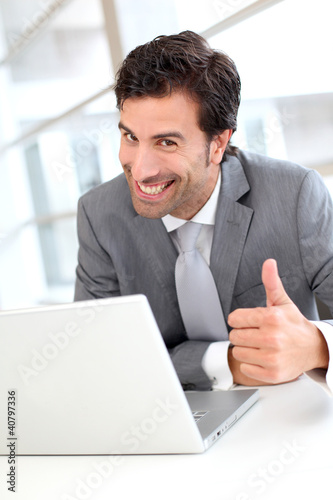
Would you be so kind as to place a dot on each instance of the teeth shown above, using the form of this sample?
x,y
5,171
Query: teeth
x,y
153,189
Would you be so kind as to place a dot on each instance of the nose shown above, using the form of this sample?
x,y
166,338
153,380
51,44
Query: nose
x,y
144,164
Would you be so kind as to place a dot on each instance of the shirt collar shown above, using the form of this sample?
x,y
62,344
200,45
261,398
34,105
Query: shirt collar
x,y
206,214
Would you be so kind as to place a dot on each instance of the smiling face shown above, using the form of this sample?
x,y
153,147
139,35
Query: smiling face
x,y
169,165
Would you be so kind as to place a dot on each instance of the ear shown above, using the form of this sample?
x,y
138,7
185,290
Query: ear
x,y
218,146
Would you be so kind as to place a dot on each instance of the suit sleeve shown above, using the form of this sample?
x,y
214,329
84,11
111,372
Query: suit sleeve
x,y
315,226
95,274
315,223
187,360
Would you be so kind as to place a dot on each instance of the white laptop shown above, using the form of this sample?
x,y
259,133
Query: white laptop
x,y
95,377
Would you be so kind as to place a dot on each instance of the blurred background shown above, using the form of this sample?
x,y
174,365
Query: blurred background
x,y
58,121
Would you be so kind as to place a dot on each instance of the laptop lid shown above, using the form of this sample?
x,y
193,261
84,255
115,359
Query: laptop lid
x,y
90,377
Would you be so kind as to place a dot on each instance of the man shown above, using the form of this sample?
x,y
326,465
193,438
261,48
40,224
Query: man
x,y
178,102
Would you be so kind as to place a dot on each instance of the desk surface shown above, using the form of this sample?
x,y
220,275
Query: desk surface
x,y
283,445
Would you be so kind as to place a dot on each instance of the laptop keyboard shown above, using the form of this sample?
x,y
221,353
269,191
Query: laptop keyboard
x,y
197,415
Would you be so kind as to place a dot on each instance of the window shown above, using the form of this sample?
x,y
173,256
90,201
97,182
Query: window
x,y
58,120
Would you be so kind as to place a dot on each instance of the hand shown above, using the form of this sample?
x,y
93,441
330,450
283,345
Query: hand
x,y
276,343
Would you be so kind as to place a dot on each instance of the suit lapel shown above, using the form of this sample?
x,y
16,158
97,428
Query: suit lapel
x,y
161,254
231,228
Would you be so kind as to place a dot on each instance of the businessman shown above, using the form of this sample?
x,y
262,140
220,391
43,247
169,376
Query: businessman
x,y
237,304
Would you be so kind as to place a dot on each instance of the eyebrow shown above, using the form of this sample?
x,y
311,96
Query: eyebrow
x,y
163,135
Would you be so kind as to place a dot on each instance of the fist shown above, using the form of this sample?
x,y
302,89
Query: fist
x,y
276,343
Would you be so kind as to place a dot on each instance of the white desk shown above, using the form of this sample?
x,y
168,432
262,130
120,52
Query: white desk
x,y
281,449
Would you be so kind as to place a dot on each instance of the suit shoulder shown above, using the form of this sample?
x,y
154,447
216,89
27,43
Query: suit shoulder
x,y
264,165
273,179
113,195
108,187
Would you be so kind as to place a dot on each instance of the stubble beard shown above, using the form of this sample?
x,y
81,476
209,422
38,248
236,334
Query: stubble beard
x,y
149,209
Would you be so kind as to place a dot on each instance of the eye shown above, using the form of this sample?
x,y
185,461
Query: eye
x,y
130,137
167,142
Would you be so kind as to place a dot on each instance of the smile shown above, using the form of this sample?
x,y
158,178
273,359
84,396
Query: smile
x,y
156,189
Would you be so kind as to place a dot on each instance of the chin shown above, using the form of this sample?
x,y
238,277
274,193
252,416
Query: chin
x,y
148,212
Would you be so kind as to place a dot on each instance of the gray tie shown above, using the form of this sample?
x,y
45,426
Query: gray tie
x,y
198,299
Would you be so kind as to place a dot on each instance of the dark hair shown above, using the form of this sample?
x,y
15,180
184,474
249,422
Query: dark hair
x,y
184,62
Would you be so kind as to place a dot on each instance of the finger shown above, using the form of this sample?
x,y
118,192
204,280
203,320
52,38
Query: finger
x,y
258,373
267,373
275,292
247,318
248,355
247,337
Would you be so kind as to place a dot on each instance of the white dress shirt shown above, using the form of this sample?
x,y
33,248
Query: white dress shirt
x,y
215,360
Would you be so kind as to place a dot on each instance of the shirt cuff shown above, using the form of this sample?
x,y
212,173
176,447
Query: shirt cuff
x,y
322,377
216,366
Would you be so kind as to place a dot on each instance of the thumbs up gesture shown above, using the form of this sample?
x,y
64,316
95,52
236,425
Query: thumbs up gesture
x,y
276,343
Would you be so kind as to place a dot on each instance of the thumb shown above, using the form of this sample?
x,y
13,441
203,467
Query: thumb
x,y
275,293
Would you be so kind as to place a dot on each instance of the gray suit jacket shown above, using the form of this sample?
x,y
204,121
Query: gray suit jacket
x,y
267,209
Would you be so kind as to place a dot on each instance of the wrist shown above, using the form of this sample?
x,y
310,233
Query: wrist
x,y
320,350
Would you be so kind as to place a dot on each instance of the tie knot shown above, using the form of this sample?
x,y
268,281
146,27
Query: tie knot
x,y
188,235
